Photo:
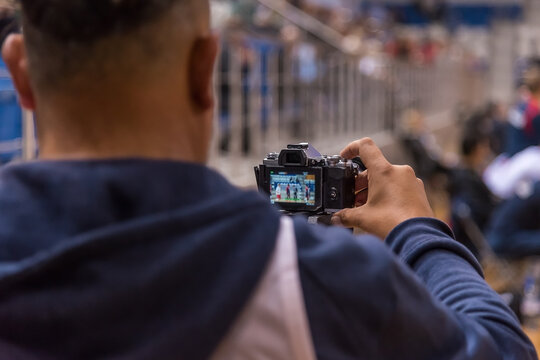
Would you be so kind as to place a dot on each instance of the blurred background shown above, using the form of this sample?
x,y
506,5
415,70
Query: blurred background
x,y
450,87
331,71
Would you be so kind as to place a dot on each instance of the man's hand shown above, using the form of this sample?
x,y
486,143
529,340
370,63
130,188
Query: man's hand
x,y
389,194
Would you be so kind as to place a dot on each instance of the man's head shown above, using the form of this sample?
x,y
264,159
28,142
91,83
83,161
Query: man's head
x,y
532,80
110,57
475,149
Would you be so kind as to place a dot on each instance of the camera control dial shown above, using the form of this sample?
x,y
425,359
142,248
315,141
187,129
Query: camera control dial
x,y
334,160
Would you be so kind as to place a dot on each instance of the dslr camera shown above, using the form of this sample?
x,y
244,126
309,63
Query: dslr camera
x,y
300,179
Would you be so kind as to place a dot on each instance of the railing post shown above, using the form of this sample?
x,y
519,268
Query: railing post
x,y
350,95
236,119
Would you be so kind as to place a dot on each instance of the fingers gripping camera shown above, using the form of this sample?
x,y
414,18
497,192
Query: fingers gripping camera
x,y
300,179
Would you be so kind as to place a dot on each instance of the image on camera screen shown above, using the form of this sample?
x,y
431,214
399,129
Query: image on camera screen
x,y
292,188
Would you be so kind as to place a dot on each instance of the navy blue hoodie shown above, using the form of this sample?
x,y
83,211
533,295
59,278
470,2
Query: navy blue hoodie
x,y
138,259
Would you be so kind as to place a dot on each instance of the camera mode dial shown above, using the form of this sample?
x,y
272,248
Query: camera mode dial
x,y
334,160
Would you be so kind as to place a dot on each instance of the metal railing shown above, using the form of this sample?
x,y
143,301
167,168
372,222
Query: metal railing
x,y
271,94
306,22
271,97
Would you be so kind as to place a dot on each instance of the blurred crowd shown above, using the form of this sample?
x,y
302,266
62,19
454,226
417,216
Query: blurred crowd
x,y
372,30
376,30
272,70
494,186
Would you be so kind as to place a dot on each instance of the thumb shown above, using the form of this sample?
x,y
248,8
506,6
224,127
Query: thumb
x,y
350,218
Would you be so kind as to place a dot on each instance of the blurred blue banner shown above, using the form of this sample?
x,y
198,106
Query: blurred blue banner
x,y
11,132
453,13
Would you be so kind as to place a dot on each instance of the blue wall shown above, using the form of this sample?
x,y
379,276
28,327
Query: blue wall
x,y
10,119
454,14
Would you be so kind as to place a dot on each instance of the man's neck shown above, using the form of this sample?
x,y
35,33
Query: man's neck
x,y
54,148
146,127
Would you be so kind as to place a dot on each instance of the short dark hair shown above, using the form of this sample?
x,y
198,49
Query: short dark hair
x,y
65,37
90,20
532,78
471,141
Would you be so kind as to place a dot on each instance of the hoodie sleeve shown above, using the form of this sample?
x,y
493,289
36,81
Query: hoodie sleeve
x,y
428,300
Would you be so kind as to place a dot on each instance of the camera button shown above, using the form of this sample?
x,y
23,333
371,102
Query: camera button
x,y
333,194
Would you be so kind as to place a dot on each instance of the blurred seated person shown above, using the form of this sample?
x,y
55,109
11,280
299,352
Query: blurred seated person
x,y
523,130
119,242
515,227
520,160
498,114
505,174
427,156
515,136
467,189
492,121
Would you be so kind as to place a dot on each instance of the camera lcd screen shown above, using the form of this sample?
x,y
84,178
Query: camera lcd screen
x,y
293,188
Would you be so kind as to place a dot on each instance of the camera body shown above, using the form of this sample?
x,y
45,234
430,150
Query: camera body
x,y
300,179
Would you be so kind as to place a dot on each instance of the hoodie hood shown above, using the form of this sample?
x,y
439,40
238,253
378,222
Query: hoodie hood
x,y
125,259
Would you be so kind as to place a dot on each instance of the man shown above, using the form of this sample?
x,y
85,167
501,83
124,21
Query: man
x,y
103,254
519,163
468,189
523,128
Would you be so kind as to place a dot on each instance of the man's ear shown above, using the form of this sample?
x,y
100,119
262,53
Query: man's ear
x,y
14,54
201,71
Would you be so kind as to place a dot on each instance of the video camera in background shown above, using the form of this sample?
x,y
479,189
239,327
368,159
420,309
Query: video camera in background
x,y
300,179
